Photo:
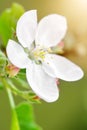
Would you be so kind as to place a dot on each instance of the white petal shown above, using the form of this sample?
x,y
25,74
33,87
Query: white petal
x,y
16,55
60,67
26,28
51,30
42,84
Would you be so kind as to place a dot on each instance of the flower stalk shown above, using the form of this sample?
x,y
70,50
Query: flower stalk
x,y
11,88
10,96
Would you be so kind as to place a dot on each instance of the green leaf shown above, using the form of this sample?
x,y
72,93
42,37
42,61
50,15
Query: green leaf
x,y
8,20
24,117
15,124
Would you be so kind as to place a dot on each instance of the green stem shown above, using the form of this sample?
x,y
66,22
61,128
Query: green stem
x,y
10,87
23,94
10,96
15,123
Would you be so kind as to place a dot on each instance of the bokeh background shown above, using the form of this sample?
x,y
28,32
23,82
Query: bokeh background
x,y
70,111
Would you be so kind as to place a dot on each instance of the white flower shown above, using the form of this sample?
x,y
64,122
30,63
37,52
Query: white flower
x,y
42,67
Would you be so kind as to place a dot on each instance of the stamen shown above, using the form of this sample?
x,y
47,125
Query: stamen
x,y
37,54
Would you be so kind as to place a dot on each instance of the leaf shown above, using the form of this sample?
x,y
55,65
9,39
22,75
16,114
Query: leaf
x,y
8,20
24,118
15,123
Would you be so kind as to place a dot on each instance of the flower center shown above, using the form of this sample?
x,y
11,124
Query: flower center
x,y
36,54
39,55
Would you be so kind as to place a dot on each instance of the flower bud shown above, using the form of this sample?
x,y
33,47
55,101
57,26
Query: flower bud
x,y
12,70
59,48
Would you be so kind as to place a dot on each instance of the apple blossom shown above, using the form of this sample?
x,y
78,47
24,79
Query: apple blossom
x,y
33,52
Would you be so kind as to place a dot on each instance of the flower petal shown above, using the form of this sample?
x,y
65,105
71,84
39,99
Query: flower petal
x,y
60,67
42,84
26,28
51,30
16,55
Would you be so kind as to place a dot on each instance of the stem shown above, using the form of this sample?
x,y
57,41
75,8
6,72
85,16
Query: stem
x,y
15,123
10,87
11,100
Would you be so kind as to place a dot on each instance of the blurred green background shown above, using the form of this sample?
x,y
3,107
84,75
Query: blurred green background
x,y
70,111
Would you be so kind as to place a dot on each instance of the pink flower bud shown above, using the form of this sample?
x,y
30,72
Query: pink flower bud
x,y
57,81
61,44
12,70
